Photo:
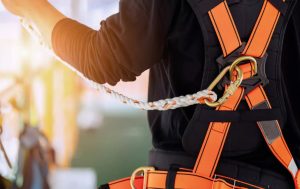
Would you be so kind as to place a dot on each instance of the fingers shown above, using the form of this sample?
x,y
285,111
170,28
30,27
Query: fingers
x,y
12,6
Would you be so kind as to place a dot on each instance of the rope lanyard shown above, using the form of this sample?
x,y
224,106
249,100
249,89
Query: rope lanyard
x,y
162,105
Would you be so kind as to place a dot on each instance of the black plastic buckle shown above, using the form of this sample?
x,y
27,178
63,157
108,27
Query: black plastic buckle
x,y
251,83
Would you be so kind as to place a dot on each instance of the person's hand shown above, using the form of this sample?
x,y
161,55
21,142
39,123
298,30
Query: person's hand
x,y
39,12
22,7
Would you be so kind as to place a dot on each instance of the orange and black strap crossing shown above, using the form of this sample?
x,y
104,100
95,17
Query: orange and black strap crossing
x,y
257,45
204,170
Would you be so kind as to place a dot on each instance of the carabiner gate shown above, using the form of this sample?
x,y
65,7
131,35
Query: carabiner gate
x,y
235,82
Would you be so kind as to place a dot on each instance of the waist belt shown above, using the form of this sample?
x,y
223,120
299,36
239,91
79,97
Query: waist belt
x,y
184,180
163,160
248,59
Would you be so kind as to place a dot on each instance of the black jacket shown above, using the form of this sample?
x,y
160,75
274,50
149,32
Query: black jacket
x,y
165,37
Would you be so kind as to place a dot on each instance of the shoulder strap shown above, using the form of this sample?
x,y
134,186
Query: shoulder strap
x,y
259,40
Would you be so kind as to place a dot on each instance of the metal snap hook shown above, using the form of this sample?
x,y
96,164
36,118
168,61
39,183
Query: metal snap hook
x,y
235,82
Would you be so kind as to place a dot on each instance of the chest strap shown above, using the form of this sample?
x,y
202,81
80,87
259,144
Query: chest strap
x,y
256,97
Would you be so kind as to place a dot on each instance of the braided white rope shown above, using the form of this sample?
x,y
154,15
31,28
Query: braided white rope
x,y
162,105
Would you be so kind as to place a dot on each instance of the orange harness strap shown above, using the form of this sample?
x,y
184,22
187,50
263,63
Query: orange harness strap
x,y
225,28
217,132
215,138
184,180
272,133
257,99
257,45
204,170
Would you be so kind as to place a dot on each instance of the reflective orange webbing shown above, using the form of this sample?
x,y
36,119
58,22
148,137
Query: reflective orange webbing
x,y
257,45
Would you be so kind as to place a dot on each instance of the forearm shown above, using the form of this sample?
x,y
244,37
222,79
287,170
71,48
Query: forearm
x,y
45,17
124,47
89,51
80,46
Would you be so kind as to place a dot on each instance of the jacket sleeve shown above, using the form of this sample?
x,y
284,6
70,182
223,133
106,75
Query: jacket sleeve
x,y
126,44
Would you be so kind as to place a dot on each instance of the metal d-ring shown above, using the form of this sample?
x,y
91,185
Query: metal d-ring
x,y
239,61
140,171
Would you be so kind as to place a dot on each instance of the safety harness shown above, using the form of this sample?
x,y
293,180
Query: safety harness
x,y
251,57
256,97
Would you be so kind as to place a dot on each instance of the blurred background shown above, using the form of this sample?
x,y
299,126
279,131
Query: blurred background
x,y
87,129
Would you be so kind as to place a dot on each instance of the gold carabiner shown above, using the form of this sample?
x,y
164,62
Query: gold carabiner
x,y
231,89
140,171
234,84
240,60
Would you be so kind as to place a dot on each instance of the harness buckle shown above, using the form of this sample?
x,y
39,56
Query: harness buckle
x,y
260,78
142,171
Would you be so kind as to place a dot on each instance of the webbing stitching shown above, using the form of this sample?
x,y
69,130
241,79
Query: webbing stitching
x,y
227,128
240,98
271,35
272,149
211,13
256,27
219,153
223,138
232,23
181,173
225,135
265,96
249,101
218,33
252,73
205,143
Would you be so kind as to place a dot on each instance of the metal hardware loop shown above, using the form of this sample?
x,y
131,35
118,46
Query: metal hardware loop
x,y
140,171
235,82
